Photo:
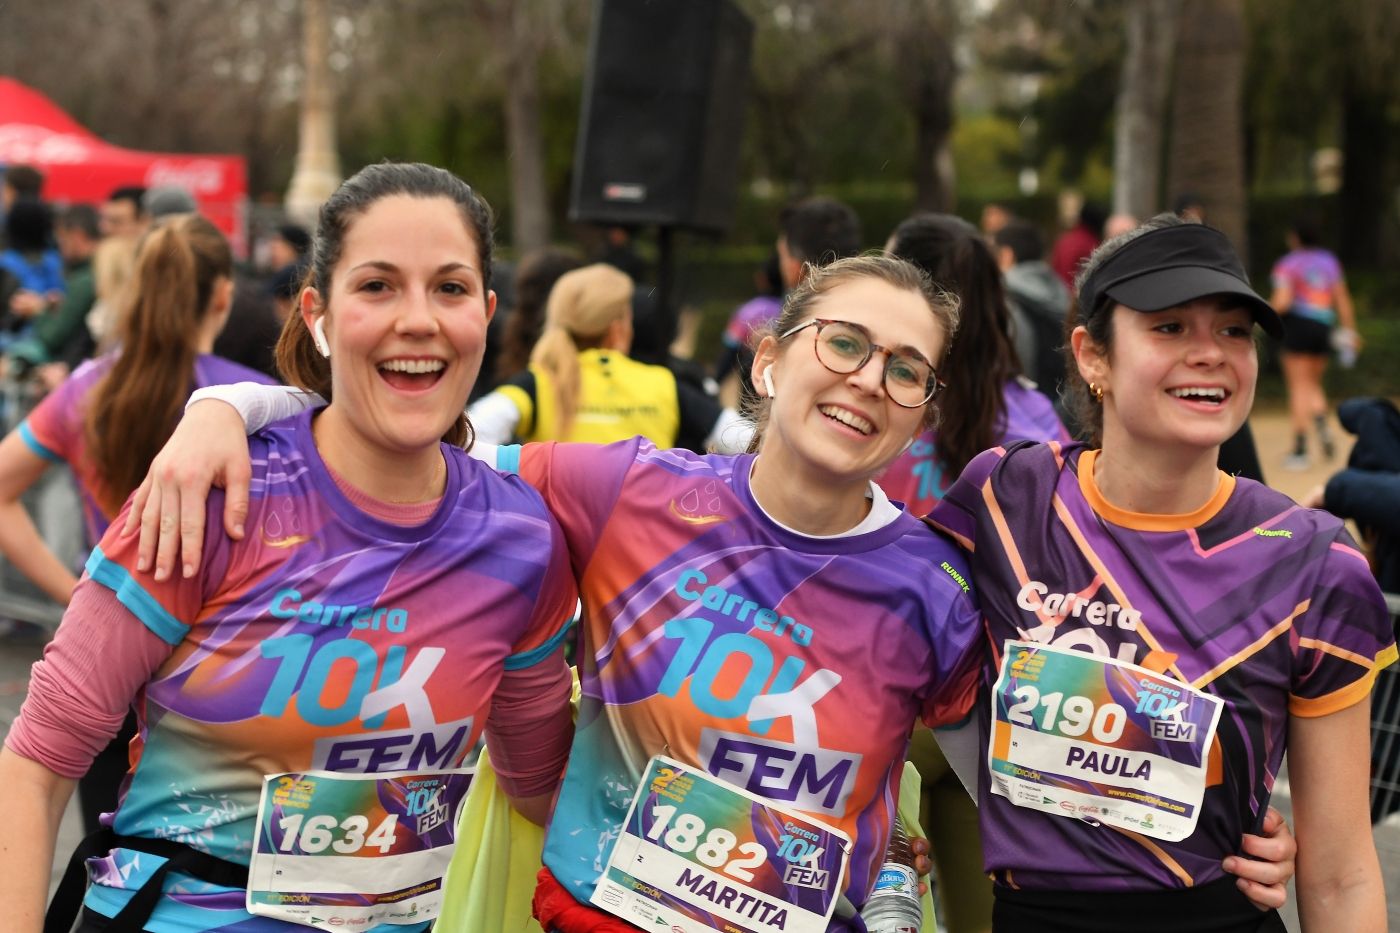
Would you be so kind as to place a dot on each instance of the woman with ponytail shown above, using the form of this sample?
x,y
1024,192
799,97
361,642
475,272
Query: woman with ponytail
x,y
110,418
582,386
113,415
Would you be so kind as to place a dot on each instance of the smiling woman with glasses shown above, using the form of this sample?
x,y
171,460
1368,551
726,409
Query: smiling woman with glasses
x,y
843,347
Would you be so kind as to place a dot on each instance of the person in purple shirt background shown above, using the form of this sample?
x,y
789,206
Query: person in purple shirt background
x,y
109,418
987,402
1310,292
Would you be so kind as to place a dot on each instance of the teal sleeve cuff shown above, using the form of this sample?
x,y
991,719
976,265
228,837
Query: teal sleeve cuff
x,y
26,434
508,458
535,655
130,594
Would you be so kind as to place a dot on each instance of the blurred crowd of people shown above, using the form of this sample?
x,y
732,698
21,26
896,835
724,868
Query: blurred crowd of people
x,y
63,268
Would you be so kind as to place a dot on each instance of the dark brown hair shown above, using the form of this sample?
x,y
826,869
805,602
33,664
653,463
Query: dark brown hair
x,y
818,280
954,254
297,357
136,405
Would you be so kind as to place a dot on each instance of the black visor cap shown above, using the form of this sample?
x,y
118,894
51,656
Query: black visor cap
x,y
1172,266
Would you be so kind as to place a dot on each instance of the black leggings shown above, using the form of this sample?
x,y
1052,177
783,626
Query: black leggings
x,y
1217,907
97,790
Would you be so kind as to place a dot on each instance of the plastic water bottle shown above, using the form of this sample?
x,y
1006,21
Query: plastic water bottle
x,y
1348,346
894,905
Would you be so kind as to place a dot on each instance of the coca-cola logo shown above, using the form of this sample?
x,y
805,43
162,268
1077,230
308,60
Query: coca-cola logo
x,y
25,142
197,176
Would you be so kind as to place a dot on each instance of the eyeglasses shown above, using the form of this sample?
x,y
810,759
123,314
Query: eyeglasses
x,y
910,381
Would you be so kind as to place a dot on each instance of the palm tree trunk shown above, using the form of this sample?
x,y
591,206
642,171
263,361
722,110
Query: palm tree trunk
x,y
1141,107
1207,149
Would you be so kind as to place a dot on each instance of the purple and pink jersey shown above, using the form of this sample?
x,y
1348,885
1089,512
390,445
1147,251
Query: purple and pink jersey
x,y
788,665
55,429
1312,276
919,479
752,315
328,639
1261,603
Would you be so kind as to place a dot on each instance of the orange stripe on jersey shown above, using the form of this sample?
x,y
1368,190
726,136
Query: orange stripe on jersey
x,y
1239,657
1008,543
1013,554
1337,652
1093,558
1337,700
1171,864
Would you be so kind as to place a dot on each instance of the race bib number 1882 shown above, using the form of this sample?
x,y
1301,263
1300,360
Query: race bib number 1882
x,y
699,855
1092,738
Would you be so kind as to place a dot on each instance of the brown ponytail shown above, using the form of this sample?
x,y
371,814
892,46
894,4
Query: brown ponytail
x,y
581,307
136,405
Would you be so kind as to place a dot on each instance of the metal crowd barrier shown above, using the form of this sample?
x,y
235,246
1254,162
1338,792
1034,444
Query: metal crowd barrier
x,y
57,512
1385,733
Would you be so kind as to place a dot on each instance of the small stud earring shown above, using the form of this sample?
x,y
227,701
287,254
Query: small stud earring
x,y
1096,391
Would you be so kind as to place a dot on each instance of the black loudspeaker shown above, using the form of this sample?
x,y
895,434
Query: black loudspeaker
x,y
663,114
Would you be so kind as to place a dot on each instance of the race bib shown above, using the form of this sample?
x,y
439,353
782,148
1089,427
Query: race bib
x,y
1097,739
700,855
354,850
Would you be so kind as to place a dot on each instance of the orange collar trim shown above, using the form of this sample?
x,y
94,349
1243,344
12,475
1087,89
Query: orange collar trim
x,y
1145,521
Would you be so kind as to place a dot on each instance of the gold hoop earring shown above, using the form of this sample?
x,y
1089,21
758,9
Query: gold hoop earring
x,y
1096,391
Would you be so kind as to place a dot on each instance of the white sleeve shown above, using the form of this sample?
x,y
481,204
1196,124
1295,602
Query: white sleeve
x,y
731,433
259,405
962,747
494,418
485,452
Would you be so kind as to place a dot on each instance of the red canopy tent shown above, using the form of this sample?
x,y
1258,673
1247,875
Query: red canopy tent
x,y
79,167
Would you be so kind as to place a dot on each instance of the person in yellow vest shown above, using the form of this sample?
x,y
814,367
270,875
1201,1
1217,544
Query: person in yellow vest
x,y
582,386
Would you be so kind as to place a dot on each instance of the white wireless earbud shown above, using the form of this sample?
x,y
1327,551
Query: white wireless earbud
x,y
768,382
318,334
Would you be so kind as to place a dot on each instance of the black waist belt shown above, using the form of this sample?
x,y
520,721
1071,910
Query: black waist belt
x,y
68,900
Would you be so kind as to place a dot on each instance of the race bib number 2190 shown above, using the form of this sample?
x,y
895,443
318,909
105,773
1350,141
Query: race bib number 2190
x,y
1083,736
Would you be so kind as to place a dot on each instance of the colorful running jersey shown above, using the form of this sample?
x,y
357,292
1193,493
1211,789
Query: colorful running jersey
x,y
55,429
1251,599
919,479
328,639
702,617
1312,276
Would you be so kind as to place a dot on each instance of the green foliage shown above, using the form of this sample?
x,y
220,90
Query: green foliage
x,y
987,152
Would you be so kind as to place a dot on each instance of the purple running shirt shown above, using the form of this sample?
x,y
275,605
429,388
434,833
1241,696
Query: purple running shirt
x,y
1252,599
